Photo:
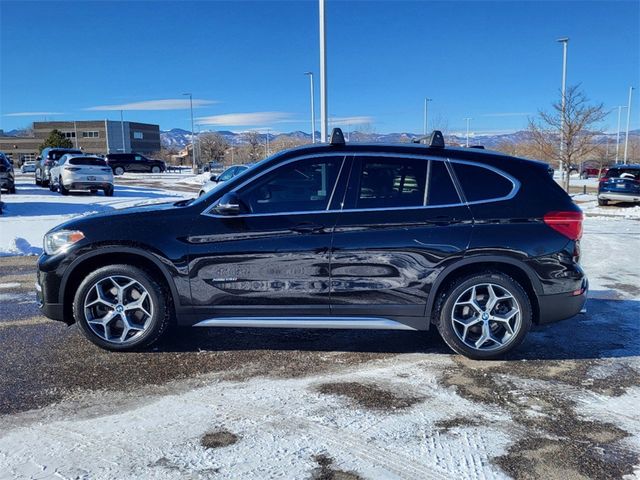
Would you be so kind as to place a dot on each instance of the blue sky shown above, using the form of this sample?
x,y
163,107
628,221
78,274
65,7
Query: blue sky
x,y
496,62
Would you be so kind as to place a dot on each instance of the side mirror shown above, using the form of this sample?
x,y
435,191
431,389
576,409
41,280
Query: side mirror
x,y
56,163
229,204
214,178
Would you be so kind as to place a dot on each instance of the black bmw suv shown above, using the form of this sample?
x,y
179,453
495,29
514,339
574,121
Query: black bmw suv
x,y
409,237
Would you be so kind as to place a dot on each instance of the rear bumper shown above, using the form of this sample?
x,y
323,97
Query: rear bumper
x,y
619,197
100,185
554,308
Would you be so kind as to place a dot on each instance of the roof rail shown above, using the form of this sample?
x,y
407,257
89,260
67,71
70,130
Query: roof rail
x,y
337,138
436,140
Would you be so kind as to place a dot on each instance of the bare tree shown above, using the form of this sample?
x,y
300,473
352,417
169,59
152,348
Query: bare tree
x,y
212,147
578,128
254,146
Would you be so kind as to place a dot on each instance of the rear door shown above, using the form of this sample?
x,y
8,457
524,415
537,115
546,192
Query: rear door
x,y
403,222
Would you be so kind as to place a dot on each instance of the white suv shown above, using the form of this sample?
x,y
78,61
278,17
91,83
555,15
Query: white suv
x,y
81,172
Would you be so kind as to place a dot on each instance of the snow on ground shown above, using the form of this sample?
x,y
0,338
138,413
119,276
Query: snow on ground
x,y
33,210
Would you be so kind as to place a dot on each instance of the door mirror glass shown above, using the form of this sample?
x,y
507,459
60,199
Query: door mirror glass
x,y
229,204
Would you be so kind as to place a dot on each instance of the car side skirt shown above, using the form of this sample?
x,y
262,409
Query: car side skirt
x,y
360,323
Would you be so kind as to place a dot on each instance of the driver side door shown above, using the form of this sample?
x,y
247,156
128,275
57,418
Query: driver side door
x,y
271,259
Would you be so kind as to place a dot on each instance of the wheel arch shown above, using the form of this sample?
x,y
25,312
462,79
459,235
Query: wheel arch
x,y
515,269
91,261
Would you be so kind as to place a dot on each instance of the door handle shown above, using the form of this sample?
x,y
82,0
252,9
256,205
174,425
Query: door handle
x,y
308,228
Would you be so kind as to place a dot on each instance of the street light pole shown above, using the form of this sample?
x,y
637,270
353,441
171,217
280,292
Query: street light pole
x,y
565,43
620,107
468,119
194,167
426,115
124,149
323,75
626,137
313,108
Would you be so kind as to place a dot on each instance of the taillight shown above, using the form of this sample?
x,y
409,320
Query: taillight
x,y
568,224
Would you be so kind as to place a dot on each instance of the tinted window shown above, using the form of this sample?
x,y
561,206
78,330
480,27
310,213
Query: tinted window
x,y
391,182
95,162
300,186
480,183
56,154
441,190
633,173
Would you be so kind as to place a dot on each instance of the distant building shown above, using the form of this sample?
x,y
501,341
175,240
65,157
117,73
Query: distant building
x,y
92,136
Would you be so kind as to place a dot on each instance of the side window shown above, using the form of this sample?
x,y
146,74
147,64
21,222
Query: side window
x,y
391,182
441,190
137,158
300,186
479,183
227,174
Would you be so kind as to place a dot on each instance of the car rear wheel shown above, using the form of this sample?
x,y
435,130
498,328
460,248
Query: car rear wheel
x,y
61,188
121,307
155,169
108,192
602,202
484,316
119,171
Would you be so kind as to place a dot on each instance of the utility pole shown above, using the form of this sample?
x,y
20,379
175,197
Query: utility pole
x,y
565,43
626,137
468,119
426,115
323,74
313,108
124,148
194,165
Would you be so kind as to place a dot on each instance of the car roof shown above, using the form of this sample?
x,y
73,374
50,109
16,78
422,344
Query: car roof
x,y
632,166
460,153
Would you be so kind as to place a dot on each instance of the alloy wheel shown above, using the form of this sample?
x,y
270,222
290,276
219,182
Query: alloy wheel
x,y
486,317
118,309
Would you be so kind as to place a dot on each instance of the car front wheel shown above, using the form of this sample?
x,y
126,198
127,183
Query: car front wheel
x,y
121,307
602,202
155,169
484,316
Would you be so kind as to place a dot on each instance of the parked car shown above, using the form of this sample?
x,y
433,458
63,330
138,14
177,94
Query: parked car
x,y
620,184
28,166
7,177
48,156
81,172
134,162
592,172
474,243
228,174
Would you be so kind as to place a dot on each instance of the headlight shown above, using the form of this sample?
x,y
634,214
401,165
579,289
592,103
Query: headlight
x,y
61,240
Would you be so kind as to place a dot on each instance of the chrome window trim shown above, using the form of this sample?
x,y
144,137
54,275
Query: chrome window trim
x,y
448,161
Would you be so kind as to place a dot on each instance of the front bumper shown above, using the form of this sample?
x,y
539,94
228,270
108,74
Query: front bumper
x,y
554,308
47,287
619,197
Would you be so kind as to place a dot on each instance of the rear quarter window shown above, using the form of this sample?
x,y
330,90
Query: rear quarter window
x,y
481,184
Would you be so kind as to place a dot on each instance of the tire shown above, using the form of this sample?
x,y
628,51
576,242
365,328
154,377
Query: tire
x,y
61,188
45,183
38,182
603,202
118,171
149,322
455,303
12,189
108,192
156,169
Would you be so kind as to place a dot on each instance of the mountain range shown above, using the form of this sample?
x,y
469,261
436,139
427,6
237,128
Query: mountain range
x,y
178,138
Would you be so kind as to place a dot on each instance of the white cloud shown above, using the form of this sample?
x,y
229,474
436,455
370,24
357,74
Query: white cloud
x,y
166,104
245,119
358,120
32,114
